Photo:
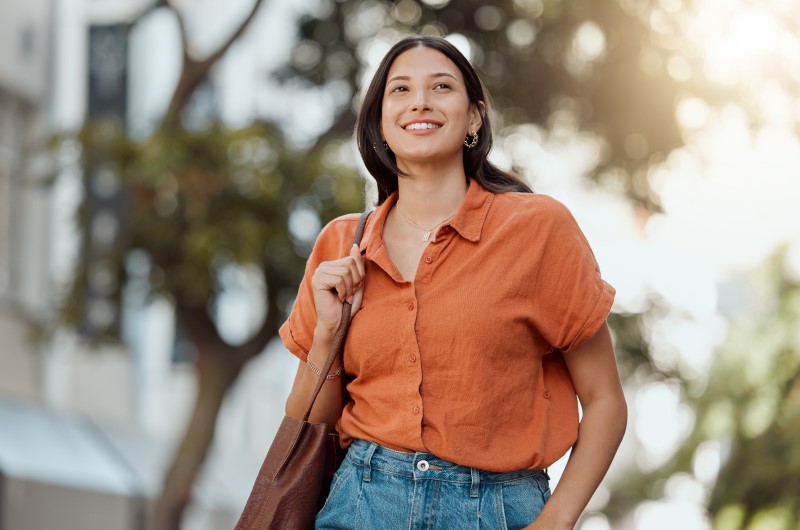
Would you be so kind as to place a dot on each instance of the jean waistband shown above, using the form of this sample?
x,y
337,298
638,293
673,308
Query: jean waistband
x,y
421,466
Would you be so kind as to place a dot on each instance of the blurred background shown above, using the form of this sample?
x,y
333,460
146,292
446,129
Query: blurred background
x,y
165,167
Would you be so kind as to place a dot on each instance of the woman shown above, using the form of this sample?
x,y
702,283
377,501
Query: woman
x,y
479,316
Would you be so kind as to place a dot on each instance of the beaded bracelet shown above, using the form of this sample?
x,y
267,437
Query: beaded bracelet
x,y
318,371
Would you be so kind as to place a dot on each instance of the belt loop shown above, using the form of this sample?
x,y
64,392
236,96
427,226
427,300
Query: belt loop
x,y
366,474
476,481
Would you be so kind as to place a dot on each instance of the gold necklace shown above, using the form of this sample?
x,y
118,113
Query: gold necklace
x,y
426,232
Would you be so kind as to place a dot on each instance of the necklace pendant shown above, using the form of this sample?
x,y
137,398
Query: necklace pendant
x,y
426,235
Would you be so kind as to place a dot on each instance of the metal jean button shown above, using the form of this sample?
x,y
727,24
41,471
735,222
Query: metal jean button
x,y
423,465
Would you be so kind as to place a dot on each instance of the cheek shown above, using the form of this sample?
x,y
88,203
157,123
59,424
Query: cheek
x,y
388,110
388,117
384,126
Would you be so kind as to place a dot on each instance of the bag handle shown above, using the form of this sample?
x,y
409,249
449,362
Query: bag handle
x,y
341,331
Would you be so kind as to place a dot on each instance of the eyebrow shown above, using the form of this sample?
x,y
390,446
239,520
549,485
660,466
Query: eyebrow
x,y
432,76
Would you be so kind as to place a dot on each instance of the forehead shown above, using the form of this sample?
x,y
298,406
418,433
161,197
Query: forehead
x,y
423,61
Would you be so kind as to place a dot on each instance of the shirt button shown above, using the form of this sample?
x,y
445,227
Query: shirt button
x,y
412,358
415,409
547,394
428,259
410,306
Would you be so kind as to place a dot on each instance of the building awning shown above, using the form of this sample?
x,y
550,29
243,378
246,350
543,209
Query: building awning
x,y
45,455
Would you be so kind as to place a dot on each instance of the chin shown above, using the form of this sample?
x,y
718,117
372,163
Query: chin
x,y
428,155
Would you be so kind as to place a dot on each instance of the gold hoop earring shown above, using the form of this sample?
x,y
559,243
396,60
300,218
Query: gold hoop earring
x,y
471,140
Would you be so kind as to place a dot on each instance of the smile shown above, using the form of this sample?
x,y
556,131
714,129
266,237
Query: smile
x,y
418,126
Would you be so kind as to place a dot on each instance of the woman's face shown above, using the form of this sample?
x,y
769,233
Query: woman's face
x,y
426,113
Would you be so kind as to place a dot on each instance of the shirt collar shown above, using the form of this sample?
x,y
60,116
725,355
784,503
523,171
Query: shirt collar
x,y
470,217
467,222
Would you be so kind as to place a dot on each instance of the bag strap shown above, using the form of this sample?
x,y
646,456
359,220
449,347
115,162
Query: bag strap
x,y
341,331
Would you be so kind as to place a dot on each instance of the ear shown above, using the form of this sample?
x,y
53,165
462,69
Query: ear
x,y
476,113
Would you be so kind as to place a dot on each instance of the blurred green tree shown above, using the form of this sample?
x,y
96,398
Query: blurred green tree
x,y
749,413
198,201
591,63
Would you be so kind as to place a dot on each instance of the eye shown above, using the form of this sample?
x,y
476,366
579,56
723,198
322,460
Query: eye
x,y
442,86
399,88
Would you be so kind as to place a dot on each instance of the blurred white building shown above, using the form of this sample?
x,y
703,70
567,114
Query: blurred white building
x,y
26,79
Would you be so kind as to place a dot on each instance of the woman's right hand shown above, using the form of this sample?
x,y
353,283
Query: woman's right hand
x,y
334,282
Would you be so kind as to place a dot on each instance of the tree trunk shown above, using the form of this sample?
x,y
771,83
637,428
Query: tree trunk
x,y
217,370
194,71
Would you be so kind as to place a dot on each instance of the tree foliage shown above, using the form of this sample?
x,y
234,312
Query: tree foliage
x,y
199,200
195,202
749,413
542,60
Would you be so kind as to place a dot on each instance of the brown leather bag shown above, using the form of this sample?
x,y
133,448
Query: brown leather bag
x,y
294,479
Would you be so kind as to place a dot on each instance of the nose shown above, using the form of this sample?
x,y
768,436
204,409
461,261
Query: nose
x,y
420,102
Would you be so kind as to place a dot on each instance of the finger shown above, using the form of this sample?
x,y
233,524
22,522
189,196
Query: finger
x,y
355,274
336,278
356,303
342,265
343,282
347,288
356,264
359,259
327,274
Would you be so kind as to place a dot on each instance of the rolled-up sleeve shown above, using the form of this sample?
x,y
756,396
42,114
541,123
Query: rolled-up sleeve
x,y
297,332
571,298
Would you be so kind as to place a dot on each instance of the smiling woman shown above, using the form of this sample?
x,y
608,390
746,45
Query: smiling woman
x,y
445,61
479,317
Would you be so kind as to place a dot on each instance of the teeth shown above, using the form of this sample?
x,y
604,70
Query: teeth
x,y
419,126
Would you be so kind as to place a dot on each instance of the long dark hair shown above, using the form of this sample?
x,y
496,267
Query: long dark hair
x,y
381,162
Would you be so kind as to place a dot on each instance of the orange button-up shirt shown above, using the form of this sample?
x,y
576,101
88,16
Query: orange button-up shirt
x,y
465,362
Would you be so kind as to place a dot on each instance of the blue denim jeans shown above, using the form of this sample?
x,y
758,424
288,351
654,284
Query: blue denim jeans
x,y
378,488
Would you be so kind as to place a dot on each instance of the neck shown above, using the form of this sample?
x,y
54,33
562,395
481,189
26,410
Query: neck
x,y
429,200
